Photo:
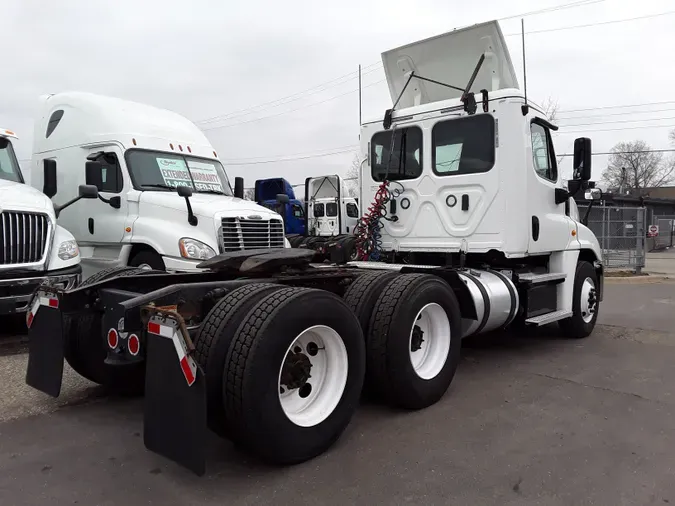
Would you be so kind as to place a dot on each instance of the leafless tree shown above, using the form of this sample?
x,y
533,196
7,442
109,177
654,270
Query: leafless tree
x,y
249,194
352,178
633,165
550,107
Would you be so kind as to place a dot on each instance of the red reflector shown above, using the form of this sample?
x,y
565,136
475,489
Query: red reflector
x,y
112,338
134,344
153,328
53,302
187,372
29,319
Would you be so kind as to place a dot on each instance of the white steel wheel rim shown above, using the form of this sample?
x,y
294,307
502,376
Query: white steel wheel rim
x,y
428,360
145,267
586,288
328,377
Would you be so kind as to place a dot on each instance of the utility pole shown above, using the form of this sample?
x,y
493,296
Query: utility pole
x,y
623,180
359,95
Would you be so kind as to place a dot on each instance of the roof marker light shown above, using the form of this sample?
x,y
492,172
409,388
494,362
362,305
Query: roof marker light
x,y
134,141
180,147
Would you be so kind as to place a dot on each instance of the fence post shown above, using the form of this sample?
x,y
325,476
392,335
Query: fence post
x,y
640,253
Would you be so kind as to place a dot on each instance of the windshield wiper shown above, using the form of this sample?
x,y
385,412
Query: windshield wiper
x,y
165,186
213,192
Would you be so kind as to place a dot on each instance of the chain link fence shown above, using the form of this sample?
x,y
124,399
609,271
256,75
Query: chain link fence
x,y
622,232
666,233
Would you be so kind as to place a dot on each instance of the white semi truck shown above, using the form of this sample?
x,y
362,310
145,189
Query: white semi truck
x,y
330,211
474,231
33,249
165,201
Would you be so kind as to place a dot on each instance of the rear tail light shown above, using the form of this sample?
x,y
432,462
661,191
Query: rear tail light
x,y
134,345
113,339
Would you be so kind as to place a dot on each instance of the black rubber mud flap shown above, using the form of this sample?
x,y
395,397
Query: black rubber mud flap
x,y
45,346
174,424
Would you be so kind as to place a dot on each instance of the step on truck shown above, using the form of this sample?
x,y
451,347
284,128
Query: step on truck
x,y
165,201
34,250
467,228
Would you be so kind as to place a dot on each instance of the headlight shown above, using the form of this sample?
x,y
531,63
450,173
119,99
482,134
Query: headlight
x,y
192,248
68,250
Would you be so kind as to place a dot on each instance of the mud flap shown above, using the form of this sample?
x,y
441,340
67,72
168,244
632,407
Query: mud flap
x,y
45,344
174,423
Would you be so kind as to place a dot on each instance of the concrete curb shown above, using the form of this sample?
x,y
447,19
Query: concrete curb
x,y
652,278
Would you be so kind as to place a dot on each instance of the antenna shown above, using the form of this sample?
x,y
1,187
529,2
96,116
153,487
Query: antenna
x,y
526,107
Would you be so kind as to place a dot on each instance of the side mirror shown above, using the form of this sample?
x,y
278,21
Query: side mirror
x,y
184,191
94,174
282,198
88,191
593,194
49,185
582,159
239,187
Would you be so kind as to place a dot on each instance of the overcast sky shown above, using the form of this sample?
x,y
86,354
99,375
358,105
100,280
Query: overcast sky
x,y
215,58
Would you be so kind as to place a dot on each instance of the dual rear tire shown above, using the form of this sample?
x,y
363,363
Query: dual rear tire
x,y
284,369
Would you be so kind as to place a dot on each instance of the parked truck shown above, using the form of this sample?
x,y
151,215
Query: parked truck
x,y
34,250
164,199
473,230
268,193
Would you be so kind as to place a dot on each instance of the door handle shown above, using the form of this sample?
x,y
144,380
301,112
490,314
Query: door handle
x,y
465,202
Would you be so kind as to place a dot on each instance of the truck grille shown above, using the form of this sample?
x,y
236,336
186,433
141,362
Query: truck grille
x,y
239,233
23,237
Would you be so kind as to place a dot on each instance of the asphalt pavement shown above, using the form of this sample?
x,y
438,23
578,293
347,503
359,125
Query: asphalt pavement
x,y
529,419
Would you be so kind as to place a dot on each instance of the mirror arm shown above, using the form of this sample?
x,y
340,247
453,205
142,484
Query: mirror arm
x,y
58,209
112,201
192,219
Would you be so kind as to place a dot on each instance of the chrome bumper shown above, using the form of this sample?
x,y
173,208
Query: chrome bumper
x,y
16,292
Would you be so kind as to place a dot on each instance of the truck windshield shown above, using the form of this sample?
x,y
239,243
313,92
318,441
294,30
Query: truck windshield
x,y
159,171
9,167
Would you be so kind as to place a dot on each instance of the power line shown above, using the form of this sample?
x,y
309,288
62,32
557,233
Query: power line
x,y
279,160
269,157
289,99
611,114
546,10
254,120
625,152
617,121
590,25
616,107
313,89
614,129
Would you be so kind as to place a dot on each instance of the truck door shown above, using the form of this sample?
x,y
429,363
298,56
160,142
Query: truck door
x,y
102,225
549,225
351,214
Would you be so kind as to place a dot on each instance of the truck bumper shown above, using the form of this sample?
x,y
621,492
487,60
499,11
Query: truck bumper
x,y
16,291
174,264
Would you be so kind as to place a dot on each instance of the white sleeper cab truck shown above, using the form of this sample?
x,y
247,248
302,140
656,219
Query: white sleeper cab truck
x,y
468,228
33,249
165,201
329,210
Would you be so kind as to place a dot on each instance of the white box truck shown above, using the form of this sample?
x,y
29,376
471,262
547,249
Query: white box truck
x,y
165,201
474,231
33,249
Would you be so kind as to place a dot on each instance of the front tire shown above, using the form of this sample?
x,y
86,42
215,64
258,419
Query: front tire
x,y
584,303
294,375
147,260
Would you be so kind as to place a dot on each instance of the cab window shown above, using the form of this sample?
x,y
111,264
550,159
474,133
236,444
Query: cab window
x,y
352,210
331,209
404,161
543,157
111,173
463,145
318,210
297,211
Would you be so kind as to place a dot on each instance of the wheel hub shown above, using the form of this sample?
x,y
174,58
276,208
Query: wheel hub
x,y
417,338
296,370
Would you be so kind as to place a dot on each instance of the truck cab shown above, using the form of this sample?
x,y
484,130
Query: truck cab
x,y
165,201
330,212
34,250
466,175
266,193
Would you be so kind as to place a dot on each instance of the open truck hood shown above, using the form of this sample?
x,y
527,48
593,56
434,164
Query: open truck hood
x,y
450,58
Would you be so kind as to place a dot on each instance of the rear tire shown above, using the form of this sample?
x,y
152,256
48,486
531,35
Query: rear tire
x,y
84,345
213,342
414,341
582,322
363,293
268,421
